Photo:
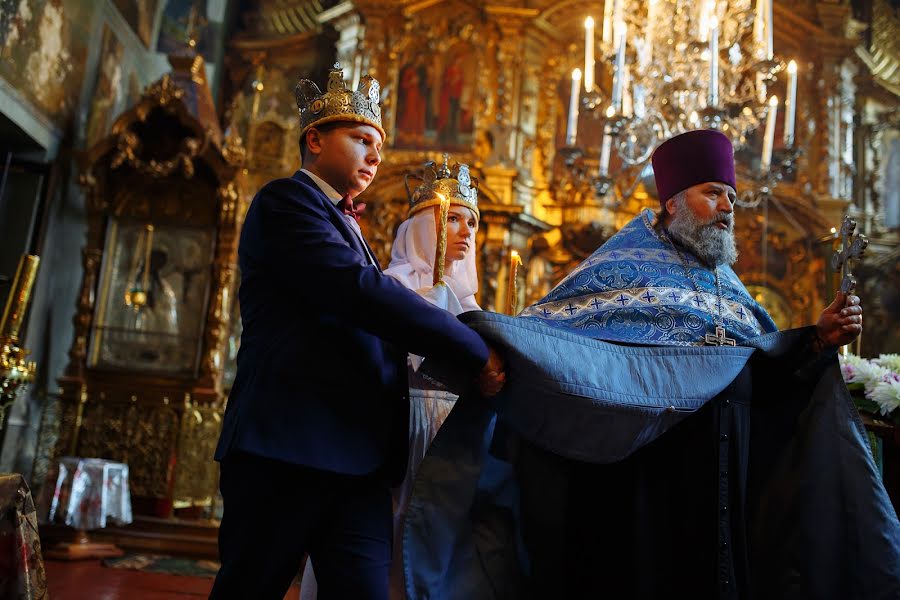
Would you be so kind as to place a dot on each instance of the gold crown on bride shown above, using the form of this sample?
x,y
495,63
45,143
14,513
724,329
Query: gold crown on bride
x,y
456,184
338,103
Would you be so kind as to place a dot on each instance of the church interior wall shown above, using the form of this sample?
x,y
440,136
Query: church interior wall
x,y
71,67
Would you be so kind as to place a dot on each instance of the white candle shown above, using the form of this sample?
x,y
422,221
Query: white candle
x,y
589,54
703,22
769,29
790,105
769,138
607,21
572,126
605,150
713,97
618,73
759,23
648,33
836,147
616,17
627,105
640,108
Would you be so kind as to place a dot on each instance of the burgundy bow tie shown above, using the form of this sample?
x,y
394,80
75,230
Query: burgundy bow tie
x,y
346,205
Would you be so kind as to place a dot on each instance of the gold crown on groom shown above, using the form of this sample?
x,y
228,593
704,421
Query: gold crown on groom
x,y
339,103
457,185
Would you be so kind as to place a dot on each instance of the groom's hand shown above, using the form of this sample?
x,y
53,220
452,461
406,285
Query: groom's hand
x,y
493,375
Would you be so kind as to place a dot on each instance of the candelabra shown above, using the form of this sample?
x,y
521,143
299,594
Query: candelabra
x,y
676,65
764,182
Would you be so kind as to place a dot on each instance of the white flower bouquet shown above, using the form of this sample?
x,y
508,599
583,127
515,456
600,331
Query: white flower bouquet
x,y
874,383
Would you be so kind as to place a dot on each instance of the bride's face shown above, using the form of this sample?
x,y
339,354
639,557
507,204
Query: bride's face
x,y
461,227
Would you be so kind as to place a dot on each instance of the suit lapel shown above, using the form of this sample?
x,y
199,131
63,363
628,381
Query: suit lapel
x,y
372,254
337,218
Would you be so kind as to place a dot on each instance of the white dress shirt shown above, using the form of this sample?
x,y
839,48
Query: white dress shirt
x,y
335,198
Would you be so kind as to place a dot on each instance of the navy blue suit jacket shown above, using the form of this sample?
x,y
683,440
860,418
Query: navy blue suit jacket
x,y
321,373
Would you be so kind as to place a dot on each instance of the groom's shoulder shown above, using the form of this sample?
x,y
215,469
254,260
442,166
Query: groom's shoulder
x,y
296,190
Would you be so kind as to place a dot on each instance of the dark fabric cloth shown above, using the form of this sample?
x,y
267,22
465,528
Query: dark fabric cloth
x,y
667,520
321,372
647,472
276,512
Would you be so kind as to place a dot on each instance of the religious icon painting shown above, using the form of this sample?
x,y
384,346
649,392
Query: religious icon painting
x,y
437,100
183,20
109,90
153,297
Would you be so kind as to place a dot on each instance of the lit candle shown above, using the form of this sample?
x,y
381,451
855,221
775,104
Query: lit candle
x,y
703,22
572,126
440,251
589,54
616,17
607,21
759,23
713,97
790,105
511,295
769,138
619,72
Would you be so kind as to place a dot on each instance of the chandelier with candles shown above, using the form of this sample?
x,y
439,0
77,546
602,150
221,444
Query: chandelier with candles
x,y
671,66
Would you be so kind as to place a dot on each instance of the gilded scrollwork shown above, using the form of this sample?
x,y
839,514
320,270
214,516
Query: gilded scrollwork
x,y
129,150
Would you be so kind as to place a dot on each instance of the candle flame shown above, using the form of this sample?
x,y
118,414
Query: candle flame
x,y
576,74
792,67
589,23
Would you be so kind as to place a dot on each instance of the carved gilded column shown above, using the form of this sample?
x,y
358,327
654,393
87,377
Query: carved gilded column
x,y
831,150
351,30
511,23
219,315
550,69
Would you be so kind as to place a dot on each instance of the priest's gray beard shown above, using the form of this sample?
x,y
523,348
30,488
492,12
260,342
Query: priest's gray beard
x,y
710,244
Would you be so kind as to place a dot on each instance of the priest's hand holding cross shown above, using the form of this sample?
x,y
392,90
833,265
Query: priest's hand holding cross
x,y
841,322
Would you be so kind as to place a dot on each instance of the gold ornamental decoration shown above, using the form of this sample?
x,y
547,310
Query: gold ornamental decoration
x,y
15,371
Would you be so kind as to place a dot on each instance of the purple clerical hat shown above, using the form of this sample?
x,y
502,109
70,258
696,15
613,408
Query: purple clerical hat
x,y
692,158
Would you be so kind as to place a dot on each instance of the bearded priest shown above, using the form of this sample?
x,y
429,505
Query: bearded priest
x,y
658,436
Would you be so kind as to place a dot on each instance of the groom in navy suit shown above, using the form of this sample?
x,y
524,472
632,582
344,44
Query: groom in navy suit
x,y
315,430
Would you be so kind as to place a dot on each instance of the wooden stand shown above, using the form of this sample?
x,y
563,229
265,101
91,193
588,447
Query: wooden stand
x,y
82,548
